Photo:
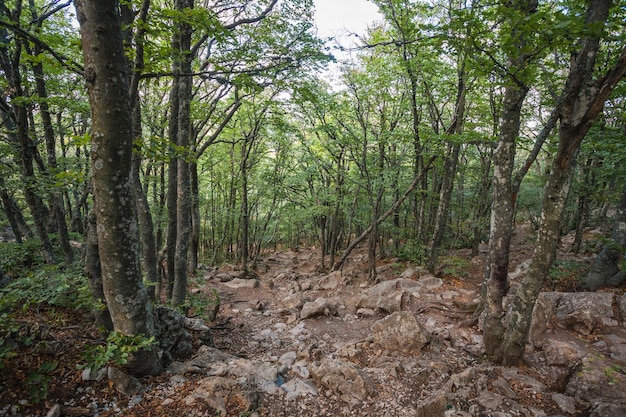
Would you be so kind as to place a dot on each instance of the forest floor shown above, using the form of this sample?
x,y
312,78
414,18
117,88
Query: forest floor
x,y
254,324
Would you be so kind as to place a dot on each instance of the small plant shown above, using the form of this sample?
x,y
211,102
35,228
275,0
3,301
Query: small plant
x,y
38,381
204,305
569,274
117,350
612,374
51,285
413,252
455,266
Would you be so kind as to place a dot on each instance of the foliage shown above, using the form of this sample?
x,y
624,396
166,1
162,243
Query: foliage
x,y
38,381
52,285
455,266
17,259
568,274
203,305
116,350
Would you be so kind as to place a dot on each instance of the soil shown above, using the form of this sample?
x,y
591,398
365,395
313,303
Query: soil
x,y
46,373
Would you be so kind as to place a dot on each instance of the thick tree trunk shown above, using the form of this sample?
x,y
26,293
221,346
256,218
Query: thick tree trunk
x,y
111,151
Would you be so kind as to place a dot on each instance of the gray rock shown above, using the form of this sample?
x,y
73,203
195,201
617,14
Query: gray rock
x,y
216,391
562,353
293,301
584,311
288,359
90,375
605,409
350,383
400,331
488,400
242,283
298,387
622,307
170,331
319,307
543,313
55,411
124,384
503,387
332,281
597,379
566,404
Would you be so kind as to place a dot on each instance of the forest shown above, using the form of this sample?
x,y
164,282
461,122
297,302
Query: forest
x,y
143,143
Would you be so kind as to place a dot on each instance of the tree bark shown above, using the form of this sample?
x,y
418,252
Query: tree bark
x,y
111,151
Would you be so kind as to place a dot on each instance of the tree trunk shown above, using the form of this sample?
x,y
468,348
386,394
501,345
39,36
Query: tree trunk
x,y
183,196
94,273
111,151
497,269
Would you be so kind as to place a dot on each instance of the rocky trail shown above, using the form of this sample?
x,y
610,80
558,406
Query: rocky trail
x,y
292,341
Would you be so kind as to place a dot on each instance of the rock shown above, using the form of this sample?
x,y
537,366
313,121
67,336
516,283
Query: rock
x,y
429,282
300,369
565,403
55,411
597,379
390,303
319,307
260,374
332,281
622,307
365,312
124,384
288,359
350,383
561,353
169,327
543,313
293,301
489,400
604,409
584,311
297,387
219,392
242,283
400,331
503,387
90,375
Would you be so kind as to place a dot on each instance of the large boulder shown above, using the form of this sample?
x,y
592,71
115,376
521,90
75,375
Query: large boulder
x,y
402,332
174,340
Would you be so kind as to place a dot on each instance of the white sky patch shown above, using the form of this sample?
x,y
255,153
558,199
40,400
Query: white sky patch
x,y
339,18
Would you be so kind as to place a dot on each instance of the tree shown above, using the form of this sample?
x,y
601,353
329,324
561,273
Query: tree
x,y
111,152
583,98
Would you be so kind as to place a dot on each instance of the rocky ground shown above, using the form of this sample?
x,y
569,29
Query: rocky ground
x,y
293,341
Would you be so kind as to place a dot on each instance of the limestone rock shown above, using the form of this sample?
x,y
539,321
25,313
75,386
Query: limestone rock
x,y
562,353
349,382
584,311
124,384
219,392
242,283
297,387
319,307
400,331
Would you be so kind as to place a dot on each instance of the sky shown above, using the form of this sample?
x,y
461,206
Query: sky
x,y
338,18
